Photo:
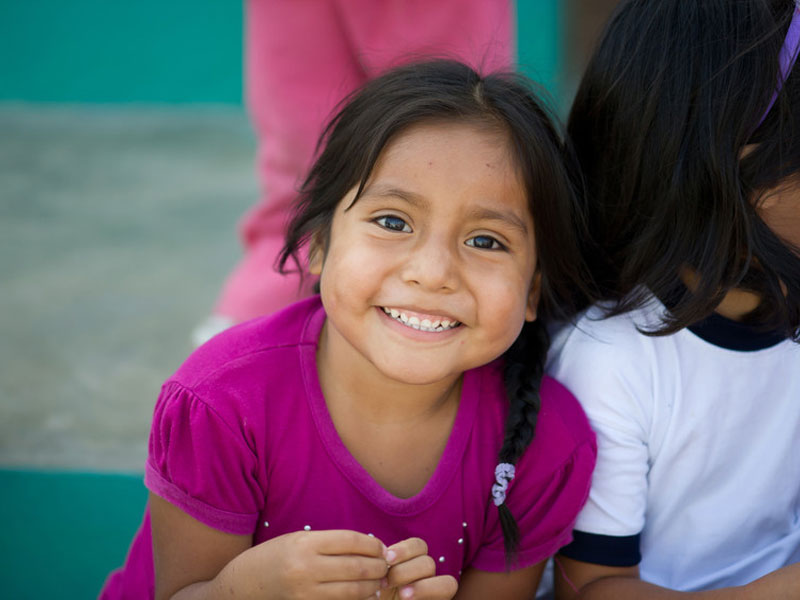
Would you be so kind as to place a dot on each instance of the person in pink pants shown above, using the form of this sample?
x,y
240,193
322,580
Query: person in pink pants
x,y
302,58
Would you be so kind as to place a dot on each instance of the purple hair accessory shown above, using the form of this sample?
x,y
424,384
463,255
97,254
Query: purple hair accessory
x,y
787,58
503,474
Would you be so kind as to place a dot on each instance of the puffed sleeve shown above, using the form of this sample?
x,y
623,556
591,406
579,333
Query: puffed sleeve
x,y
550,488
198,462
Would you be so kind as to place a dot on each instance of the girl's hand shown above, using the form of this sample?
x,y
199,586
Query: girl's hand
x,y
194,561
310,564
412,573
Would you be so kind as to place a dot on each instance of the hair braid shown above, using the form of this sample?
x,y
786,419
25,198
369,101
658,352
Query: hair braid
x,y
523,375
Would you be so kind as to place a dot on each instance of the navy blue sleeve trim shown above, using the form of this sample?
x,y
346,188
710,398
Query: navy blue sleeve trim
x,y
608,550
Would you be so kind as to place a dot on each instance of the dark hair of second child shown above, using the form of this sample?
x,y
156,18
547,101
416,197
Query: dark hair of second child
x,y
668,128
448,91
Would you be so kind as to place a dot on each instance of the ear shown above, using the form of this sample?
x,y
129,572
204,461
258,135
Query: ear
x,y
316,256
533,297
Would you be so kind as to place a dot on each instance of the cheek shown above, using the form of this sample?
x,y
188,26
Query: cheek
x,y
508,305
351,272
361,260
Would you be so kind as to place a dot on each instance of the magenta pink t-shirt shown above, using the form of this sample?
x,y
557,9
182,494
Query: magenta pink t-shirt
x,y
242,441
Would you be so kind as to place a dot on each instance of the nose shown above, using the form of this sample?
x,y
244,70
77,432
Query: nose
x,y
433,264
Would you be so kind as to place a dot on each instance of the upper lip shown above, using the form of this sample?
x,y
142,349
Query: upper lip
x,y
421,313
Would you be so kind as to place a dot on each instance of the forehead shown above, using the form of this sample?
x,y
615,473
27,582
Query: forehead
x,y
477,152
474,135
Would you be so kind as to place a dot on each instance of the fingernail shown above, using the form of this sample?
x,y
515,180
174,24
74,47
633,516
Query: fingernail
x,y
390,555
407,592
378,594
384,583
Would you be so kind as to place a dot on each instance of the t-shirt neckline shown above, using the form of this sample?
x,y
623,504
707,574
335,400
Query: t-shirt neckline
x,y
347,463
726,333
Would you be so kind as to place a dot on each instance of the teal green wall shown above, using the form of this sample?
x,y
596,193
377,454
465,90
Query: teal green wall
x,y
171,51
539,42
121,51
62,533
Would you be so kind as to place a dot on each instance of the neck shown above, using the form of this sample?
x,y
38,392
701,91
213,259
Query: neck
x,y
352,386
735,305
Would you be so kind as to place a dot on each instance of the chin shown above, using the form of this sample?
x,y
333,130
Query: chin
x,y
411,375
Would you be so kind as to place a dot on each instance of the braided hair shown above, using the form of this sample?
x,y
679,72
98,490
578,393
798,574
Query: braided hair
x,y
524,367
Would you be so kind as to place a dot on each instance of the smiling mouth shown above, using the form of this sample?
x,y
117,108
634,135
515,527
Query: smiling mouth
x,y
434,325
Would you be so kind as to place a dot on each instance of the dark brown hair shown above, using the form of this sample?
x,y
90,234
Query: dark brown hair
x,y
672,96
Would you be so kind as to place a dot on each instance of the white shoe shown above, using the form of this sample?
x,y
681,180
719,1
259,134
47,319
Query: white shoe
x,y
209,327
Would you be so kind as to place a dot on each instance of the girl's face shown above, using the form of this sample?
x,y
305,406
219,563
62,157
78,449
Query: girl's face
x,y
433,270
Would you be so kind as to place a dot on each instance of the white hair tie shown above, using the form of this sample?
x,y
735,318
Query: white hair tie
x,y
503,474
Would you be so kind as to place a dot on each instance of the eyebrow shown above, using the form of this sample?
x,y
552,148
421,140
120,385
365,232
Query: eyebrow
x,y
478,213
388,190
504,216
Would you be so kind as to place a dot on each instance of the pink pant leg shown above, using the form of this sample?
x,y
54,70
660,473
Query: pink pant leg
x,y
303,56
298,67
391,32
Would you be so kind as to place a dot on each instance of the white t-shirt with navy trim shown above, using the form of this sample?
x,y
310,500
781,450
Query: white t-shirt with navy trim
x,y
698,433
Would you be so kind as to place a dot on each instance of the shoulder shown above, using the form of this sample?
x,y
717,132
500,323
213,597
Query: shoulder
x,y
611,364
594,333
561,415
552,476
561,425
261,342
215,411
563,434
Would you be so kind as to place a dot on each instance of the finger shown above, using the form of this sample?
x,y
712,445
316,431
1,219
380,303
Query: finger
x,y
405,550
347,589
350,568
443,587
345,541
419,567
383,593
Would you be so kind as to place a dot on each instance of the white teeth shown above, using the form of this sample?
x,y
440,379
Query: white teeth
x,y
421,325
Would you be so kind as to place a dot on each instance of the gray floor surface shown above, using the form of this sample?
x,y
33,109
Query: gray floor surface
x,y
117,228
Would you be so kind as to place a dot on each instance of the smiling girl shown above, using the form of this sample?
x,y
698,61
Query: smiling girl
x,y
378,439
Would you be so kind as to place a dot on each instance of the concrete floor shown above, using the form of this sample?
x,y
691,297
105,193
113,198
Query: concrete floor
x,y
117,227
